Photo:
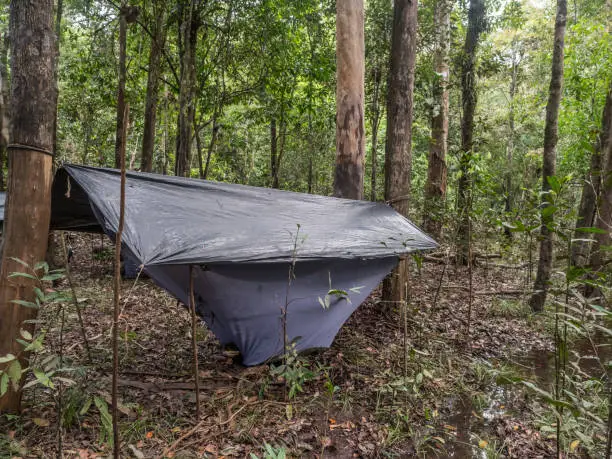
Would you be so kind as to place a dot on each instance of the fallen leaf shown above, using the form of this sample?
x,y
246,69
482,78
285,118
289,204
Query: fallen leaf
x,y
136,452
41,422
574,445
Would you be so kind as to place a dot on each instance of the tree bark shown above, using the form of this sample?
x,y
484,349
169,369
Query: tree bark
x,y
603,219
28,202
188,38
476,23
551,125
435,187
398,154
157,44
4,106
350,127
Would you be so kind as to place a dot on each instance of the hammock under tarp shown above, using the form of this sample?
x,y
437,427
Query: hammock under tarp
x,y
241,243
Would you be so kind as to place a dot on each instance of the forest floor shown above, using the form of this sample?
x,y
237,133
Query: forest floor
x,y
372,394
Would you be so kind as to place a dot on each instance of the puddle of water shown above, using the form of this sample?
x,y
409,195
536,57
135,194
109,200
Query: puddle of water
x,y
592,356
473,423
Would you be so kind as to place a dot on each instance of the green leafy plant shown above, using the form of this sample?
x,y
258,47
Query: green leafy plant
x,y
294,370
48,369
271,452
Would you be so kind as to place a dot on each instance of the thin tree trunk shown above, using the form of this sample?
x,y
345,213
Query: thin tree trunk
x,y
28,202
166,141
121,86
273,152
4,106
398,154
510,145
189,33
549,158
587,209
53,256
603,219
150,114
281,150
350,127
435,188
476,22
375,125
211,144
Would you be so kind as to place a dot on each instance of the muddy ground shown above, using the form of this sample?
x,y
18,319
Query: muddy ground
x,y
423,387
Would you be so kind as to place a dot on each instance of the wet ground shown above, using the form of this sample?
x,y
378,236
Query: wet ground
x,y
473,421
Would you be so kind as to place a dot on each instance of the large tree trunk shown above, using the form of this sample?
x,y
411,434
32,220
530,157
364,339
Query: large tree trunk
x,y
603,220
476,22
550,156
188,38
398,154
121,86
150,114
4,106
28,203
350,127
435,187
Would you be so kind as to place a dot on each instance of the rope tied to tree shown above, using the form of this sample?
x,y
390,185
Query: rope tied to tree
x,y
20,146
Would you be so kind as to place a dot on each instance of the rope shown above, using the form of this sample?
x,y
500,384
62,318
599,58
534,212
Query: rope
x,y
19,146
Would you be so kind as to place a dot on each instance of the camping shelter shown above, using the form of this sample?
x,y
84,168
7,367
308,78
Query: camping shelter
x,y
254,252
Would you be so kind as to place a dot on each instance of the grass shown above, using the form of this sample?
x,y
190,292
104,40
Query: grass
x,y
508,308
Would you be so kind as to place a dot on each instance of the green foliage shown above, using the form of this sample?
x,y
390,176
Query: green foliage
x,y
295,370
271,452
49,369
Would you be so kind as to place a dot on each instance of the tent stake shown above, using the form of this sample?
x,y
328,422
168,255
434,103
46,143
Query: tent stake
x,y
194,344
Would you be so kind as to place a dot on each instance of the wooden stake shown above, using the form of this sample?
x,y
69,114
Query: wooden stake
x,y
117,286
194,344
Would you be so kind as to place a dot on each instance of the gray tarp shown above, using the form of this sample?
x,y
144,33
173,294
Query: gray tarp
x,y
241,241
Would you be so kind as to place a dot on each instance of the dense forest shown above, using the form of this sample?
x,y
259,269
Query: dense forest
x,y
488,123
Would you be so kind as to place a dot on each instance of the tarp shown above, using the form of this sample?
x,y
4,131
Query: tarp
x,y
255,252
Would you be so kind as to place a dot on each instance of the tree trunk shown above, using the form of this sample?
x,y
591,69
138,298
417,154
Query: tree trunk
x,y
510,145
550,156
150,114
603,220
398,154
435,188
53,257
121,86
211,144
375,125
273,153
188,37
586,211
476,22
28,202
350,127
4,106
